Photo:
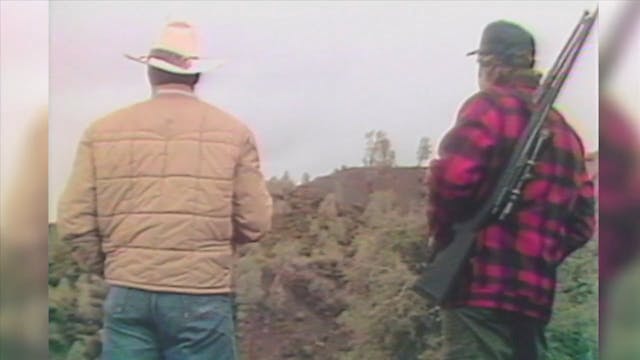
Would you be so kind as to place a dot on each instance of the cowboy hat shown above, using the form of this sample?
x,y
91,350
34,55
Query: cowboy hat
x,y
177,51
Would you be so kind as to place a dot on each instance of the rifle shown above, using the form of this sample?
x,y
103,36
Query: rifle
x,y
437,280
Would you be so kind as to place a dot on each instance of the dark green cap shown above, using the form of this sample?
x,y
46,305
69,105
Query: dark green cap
x,y
508,42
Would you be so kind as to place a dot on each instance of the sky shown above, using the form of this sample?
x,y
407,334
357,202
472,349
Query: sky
x,y
309,79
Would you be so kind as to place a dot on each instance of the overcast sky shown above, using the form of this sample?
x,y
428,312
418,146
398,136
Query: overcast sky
x,y
310,79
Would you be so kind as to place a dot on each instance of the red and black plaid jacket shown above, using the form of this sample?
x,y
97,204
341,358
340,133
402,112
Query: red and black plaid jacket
x,y
513,266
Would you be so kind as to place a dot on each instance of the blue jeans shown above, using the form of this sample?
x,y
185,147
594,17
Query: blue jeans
x,y
148,325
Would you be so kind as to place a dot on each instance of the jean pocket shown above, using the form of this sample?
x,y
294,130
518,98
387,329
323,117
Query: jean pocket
x,y
205,306
214,310
116,300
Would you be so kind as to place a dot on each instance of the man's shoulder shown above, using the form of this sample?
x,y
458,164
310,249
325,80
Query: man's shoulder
x,y
217,112
126,114
480,105
480,96
107,122
224,118
568,131
116,117
494,97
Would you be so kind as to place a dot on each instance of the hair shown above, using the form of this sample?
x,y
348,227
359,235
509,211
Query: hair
x,y
160,77
501,73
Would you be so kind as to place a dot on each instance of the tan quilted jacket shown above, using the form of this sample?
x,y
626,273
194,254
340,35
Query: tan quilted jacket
x,y
160,191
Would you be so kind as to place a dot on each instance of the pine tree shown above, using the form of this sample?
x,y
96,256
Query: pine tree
x,y
379,151
424,150
369,154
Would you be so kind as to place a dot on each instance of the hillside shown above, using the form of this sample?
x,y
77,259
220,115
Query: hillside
x,y
331,280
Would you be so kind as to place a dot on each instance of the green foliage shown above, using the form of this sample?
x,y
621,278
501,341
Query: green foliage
x,y
250,269
573,331
326,285
623,329
75,302
61,264
387,319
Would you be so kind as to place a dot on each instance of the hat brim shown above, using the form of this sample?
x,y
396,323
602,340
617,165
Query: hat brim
x,y
197,66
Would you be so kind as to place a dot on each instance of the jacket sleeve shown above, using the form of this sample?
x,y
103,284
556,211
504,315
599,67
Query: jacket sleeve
x,y
77,212
582,220
462,164
252,204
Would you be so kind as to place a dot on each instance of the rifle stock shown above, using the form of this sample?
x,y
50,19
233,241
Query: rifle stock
x,y
436,282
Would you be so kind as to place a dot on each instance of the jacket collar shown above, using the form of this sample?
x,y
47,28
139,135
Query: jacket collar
x,y
173,89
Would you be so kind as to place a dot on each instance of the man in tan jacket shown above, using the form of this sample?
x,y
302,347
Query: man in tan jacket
x,y
160,193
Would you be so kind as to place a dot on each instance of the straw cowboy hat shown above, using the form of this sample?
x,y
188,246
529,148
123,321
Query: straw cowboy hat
x,y
178,51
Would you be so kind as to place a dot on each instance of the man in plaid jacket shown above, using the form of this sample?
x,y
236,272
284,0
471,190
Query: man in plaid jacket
x,y
503,301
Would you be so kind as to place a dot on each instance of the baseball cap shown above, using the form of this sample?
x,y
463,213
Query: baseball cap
x,y
507,41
